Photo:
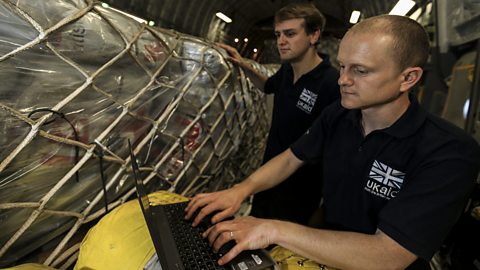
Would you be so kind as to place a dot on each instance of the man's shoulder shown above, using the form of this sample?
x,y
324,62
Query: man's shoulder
x,y
335,112
439,131
336,108
325,68
447,127
282,72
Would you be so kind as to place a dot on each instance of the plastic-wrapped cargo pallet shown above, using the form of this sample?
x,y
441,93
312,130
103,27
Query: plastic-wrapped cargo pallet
x,y
78,80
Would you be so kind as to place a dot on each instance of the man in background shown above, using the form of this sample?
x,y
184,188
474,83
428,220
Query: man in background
x,y
305,84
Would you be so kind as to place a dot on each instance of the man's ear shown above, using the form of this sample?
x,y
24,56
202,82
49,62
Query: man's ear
x,y
411,76
315,37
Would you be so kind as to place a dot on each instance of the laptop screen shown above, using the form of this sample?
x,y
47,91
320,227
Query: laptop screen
x,y
141,192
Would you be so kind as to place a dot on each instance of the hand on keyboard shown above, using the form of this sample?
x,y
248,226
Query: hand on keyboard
x,y
226,247
225,203
207,219
242,233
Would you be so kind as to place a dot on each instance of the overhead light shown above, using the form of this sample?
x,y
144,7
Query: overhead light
x,y
223,17
255,50
402,7
151,23
245,40
236,40
466,107
416,14
355,16
429,8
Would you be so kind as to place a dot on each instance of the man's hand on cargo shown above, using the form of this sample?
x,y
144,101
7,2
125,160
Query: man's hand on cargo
x,y
235,56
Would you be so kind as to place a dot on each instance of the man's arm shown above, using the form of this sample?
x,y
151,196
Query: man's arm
x,y
228,201
346,250
339,249
256,77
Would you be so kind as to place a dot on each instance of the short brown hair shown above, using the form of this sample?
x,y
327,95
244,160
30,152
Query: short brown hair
x,y
314,19
410,40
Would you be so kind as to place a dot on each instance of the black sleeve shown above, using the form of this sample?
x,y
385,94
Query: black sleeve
x,y
272,84
309,147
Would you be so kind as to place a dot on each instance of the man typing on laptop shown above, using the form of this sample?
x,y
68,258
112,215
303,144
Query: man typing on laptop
x,y
178,245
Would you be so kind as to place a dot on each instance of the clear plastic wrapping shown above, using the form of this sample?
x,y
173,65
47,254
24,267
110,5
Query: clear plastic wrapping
x,y
77,81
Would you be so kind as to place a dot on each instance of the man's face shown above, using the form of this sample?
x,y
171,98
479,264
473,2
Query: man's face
x,y
292,40
369,76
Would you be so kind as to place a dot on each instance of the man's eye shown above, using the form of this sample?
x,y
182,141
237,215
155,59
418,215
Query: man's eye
x,y
361,71
290,34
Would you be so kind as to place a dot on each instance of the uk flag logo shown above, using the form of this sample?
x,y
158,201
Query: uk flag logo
x,y
307,100
384,181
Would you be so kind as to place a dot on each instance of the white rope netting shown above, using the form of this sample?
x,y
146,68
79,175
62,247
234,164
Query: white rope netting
x,y
76,81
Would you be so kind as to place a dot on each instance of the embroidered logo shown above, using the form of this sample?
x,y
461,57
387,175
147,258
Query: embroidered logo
x,y
307,100
384,181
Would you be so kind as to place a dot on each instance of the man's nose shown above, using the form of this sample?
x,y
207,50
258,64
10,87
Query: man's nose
x,y
344,79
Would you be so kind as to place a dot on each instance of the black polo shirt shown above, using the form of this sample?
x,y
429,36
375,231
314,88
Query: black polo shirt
x,y
410,180
295,108
297,105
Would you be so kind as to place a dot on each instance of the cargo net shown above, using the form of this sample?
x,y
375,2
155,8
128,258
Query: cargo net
x,y
77,81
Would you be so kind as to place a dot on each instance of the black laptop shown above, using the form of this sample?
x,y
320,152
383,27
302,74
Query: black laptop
x,y
179,245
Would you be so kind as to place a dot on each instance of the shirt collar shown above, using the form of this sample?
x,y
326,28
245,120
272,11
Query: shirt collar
x,y
405,126
409,122
316,71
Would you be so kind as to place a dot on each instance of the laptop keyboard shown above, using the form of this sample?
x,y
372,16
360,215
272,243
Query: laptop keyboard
x,y
195,252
